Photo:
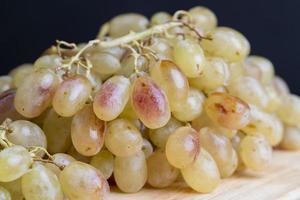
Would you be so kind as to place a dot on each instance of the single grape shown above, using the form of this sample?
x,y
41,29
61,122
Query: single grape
x,y
289,110
275,99
236,141
236,70
203,18
128,65
20,73
147,148
48,61
35,94
130,172
7,106
291,138
4,194
162,48
59,160
123,138
150,103
160,18
14,163
280,86
14,188
104,63
104,162
128,112
71,95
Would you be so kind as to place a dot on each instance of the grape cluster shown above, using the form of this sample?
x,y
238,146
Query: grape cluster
x,y
147,101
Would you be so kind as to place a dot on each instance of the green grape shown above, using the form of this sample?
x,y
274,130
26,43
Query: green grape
x,y
189,56
87,132
227,111
291,138
249,90
59,159
280,86
35,94
130,172
20,73
255,152
123,24
80,181
14,163
227,43
123,138
150,103
27,134
128,112
112,98
7,106
160,173
104,63
58,132
104,162
72,152
160,18
162,48
71,95
4,194
41,183
182,147
116,51
14,188
203,18
147,148
215,74
266,124
202,174
236,70
235,141
39,120
48,61
159,137
169,77
220,148
289,110
192,108
128,65
274,99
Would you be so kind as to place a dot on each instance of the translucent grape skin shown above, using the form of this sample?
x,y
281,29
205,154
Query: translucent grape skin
x,y
7,106
128,65
160,18
202,175
41,183
150,103
4,194
104,162
36,93
14,188
130,172
169,77
182,147
147,148
80,181
72,152
123,138
291,138
20,73
5,83
71,95
160,173
203,18
227,111
87,132
289,110
48,61
14,163
112,98
60,159
104,63
162,48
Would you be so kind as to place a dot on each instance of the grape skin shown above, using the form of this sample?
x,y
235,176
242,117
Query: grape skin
x,y
14,188
4,194
104,162
203,18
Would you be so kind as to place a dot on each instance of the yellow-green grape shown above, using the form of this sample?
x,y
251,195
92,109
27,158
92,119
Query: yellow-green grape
x,y
128,112
27,134
202,174
41,183
203,18
159,137
104,162
116,51
104,63
191,108
80,181
160,173
289,110
236,70
39,120
128,65
182,147
249,90
291,138
14,188
112,98
227,43
266,124
87,132
215,74
189,57
227,111
162,48
123,24
5,83
280,86
169,77
59,160
20,73
150,103
4,194
274,99
71,95
58,132
160,18
123,138
35,94
48,61
130,172
14,163
72,152
235,141
255,152
220,148
147,148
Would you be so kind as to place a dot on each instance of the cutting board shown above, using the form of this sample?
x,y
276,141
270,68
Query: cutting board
x,y
280,181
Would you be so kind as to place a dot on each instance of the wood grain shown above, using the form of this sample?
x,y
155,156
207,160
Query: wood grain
x,y
280,181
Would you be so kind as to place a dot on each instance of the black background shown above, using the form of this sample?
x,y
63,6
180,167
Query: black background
x,y
29,26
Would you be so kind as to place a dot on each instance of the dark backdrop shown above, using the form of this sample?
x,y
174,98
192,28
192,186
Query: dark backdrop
x,y
29,26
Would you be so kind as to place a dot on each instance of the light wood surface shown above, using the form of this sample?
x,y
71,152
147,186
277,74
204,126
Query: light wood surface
x,y
280,181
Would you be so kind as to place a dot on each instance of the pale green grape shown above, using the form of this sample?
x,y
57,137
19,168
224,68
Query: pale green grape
x,y
291,138
160,18
147,148
59,160
280,86
289,110
20,73
4,194
203,18
162,48
275,99
72,152
104,162
5,83
128,66
14,188
48,61
236,70
104,63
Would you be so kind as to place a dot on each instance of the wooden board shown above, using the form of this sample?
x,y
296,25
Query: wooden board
x,y
280,181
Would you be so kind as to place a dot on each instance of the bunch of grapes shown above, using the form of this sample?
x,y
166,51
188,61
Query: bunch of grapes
x,y
149,101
